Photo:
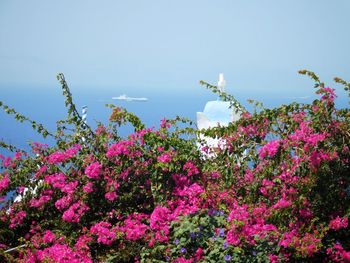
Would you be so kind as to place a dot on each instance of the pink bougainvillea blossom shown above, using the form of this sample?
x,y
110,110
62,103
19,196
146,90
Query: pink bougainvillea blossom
x,y
111,196
103,232
43,199
93,170
269,149
134,229
119,148
82,243
338,223
232,238
282,203
4,182
88,188
164,158
57,180
61,253
17,219
74,212
191,168
63,202
49,237
59,157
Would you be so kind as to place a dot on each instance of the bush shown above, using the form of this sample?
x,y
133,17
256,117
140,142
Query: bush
x,y
276,190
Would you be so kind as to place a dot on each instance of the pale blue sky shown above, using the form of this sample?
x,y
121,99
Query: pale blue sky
x,y
159,44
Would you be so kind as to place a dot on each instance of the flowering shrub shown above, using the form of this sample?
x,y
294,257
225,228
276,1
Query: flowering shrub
x,y
277,189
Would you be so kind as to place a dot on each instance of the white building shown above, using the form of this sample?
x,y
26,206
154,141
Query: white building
x,y
216,113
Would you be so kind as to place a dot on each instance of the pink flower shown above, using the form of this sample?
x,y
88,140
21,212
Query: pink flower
x,y
57,180
183,260
59,157
61,253
346,256
317,157
313,139
199,254
49,237
232,238
134,229
82,243
338,223
100,130
239,213
18,156
72,151
43,199
4,182
191,191
63,202
93,170
180,180
70,187
269,149
287,239
159,221
17,219
191,168
273,259
104,234
328,94
164,158
165,124
249,176
74,212
282,203
119,148
305,213
88,188
111,196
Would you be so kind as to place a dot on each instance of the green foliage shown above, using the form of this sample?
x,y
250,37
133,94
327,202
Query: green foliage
x,y
275,189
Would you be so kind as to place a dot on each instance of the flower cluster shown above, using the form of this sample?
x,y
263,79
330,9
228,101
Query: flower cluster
x,y
276,189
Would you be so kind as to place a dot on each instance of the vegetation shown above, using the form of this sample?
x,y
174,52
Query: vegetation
x,y
276,188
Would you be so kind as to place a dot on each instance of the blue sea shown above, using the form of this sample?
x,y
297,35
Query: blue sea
x,y
46,106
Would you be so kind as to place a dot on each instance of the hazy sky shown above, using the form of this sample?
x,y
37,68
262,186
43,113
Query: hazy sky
x,y
155,44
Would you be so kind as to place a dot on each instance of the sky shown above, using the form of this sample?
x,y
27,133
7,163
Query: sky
x,y
171,45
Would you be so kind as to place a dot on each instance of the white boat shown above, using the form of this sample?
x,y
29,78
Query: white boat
x,y
126,98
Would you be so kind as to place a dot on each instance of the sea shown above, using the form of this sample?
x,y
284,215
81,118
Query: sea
x,y
46,106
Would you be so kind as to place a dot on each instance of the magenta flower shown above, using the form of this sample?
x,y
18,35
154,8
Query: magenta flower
x,y
57,180
282,203
93,170
191,168
232,238
49,237
4,182
17,219
43,199
119,148
88,188
59,157
74,212
82,243
61,253
183,260
338,223
111,196
269,149
164,158
134,229
103,233
63,202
